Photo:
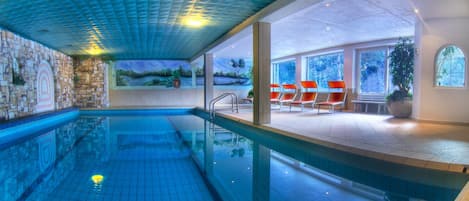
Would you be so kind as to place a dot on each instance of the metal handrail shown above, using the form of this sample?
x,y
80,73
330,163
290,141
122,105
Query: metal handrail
x,y
234,100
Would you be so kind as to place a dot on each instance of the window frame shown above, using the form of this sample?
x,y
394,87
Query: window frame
x,y
305,67
435,68
357,64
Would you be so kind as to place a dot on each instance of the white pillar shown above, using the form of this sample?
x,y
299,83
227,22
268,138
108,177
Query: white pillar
x,y
208,80
298,70
194,76
261,73
418,71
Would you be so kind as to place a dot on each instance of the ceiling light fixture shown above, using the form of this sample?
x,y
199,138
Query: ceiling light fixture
x,y
327,4
94,50
193,21
416,11
328,28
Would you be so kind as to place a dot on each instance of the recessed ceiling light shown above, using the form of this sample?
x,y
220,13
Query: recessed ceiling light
x,y
416,11
94,50
327,4
328,28
194,21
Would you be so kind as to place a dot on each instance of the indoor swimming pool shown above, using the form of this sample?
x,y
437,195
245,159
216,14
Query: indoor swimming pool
x,y
180,155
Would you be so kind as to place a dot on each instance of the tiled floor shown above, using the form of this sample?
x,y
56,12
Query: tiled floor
x,y
431,145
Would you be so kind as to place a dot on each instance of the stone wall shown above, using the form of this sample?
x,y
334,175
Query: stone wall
x,y
20,57
91,82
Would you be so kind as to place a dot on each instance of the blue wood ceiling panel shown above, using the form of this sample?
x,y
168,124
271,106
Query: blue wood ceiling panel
x,y
125,29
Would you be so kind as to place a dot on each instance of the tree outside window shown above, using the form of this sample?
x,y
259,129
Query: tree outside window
x,y
450,67
284,72
373,71
323,68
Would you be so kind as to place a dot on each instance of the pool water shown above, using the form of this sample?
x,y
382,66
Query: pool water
x,y
125,156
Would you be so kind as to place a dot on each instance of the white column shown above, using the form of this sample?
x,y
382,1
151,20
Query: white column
x,y
208,80
194,77
298,70
417,85
261,73
349,72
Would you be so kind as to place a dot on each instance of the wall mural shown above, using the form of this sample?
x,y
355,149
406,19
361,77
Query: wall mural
x,y
45,88
232,71
169,73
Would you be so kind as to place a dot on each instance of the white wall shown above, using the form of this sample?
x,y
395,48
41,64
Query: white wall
x,y
430,102
170,97
157,97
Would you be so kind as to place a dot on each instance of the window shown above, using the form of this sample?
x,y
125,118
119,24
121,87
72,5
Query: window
x,y
373,70
450,67
283,72
323,68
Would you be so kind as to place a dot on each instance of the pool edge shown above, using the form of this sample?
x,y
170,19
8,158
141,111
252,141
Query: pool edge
x,y
403,160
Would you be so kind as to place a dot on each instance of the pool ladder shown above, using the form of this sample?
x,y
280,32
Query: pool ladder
x,y
234,103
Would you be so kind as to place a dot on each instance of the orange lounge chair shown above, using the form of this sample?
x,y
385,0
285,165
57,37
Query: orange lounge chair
x,y
335,98
308,94
275,93
288,95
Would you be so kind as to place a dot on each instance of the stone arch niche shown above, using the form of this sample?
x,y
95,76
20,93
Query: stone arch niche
x,y
45,88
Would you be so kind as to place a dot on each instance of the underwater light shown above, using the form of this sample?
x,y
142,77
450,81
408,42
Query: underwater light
x,y
97,179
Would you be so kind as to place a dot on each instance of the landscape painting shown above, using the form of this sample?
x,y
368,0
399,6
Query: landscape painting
x,y
154,73
232,71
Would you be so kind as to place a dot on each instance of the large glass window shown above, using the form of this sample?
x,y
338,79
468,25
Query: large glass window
x,y
373,70
283,72
323,68
450,67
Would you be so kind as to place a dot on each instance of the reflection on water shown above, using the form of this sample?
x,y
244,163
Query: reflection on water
x,y
102,158
164,158
241,168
